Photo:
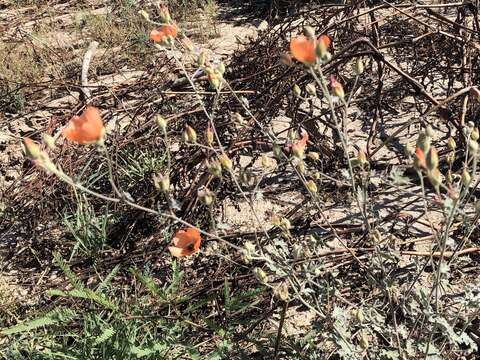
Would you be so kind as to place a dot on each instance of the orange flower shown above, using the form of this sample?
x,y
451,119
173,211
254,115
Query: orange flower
x,y
185,242
419,159
86,128
303,49
163,32
298,148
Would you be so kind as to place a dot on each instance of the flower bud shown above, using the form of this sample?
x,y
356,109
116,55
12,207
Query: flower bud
x,y
214,78
165,14
261,276
281,291
429,132
201,59
205,196
363,341
161,123
409,149
285,224
221,68
432,159
423,142
315,156
435,178
311,186
225,161
474,135
471,125
473,147
359,66
449,177
214,168
337,88
161,182
450,158
317,175
451,144
310,88
264,161
359,315
144,14
49,141
361,157
209,136
466,178
277,151
300,167
296,90
32,150
190,135
309,31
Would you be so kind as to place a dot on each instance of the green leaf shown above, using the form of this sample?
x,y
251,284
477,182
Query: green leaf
x,y
54,317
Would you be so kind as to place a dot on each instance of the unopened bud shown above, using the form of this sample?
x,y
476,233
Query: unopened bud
x,y
473,147
264,161
317,175
311,186
449,177
214,168
309,31
261,276
144,14
474,135
214,78
359,315
201,59
221,68
161,123
161,182
432,159
165,14
429,132
190,135
32,150
450,158
296,90
209,136
49,141
337,88
310,88
361,157
435,178
363,341
359,66
205,196
277,151
423,142
409,149
285,224
315,156
281,291
451,144
225,161
466,178
300,167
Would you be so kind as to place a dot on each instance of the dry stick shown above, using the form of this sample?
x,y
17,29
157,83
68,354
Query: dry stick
x,y
280,328
85,66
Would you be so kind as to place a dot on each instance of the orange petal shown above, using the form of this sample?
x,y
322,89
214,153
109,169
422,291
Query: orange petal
x,y
303,49
325,40
86,128
179,252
